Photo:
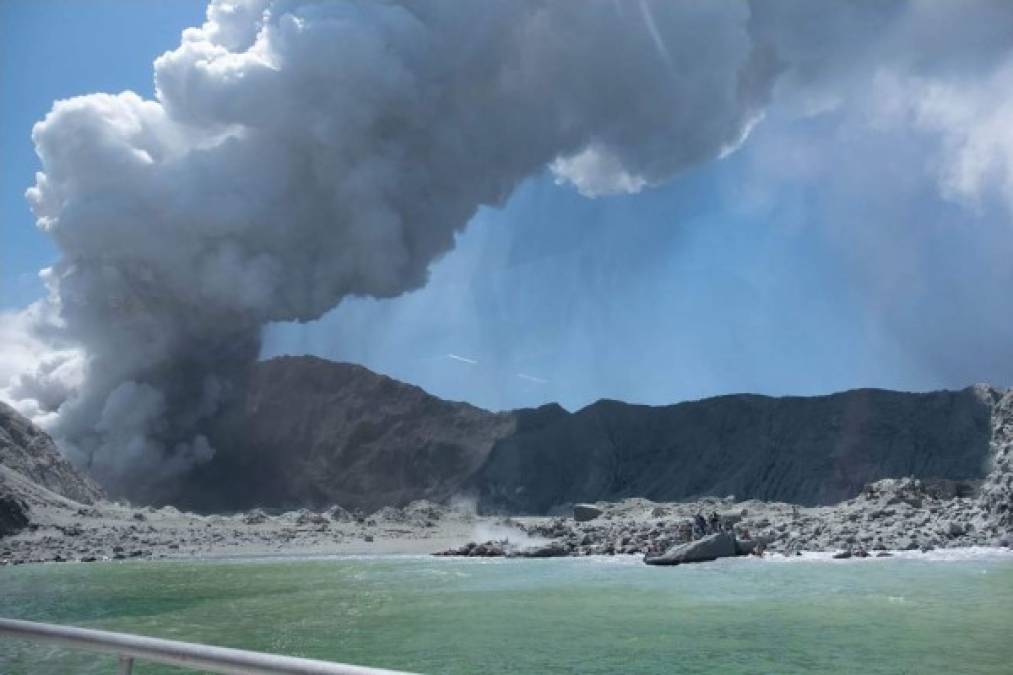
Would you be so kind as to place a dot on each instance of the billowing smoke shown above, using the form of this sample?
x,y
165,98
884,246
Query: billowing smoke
x,y
300,152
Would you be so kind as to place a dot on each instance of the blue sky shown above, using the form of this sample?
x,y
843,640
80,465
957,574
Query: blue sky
x,y
782,268
55,50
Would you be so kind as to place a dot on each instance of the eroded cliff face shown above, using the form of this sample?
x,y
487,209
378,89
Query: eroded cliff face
x,y
313,433
805,450
996,495
31,453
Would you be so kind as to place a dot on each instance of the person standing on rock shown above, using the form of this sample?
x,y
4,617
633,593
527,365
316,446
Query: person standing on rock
x,y
685,531
700,525
715,522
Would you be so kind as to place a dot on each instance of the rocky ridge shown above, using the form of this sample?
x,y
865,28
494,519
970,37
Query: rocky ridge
x,y
310,433
806,450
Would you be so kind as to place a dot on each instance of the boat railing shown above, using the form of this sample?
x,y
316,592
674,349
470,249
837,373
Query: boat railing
x,y
190,655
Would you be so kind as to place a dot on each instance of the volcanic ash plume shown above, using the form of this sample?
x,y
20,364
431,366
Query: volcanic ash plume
x,y
300,152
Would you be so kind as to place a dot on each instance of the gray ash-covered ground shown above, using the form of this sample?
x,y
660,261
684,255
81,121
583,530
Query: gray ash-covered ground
x,y
891,514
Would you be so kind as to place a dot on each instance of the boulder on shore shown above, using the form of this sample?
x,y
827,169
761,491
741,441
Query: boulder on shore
x,y
719,545
13,518
553,549
749,546
585,512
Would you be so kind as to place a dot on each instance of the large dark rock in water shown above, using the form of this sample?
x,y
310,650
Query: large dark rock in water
x,y
29,451
312,433
712,547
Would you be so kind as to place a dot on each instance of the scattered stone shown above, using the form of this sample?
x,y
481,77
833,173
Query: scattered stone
x,y
339,515
550,550
749,546
583,513
254,517
307,517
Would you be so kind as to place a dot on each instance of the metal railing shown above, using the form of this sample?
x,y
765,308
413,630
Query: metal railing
x,y
175,653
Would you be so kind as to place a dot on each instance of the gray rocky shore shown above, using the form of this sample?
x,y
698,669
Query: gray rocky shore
x,y
891,514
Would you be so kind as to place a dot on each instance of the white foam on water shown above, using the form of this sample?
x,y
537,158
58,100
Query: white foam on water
x,y
968,553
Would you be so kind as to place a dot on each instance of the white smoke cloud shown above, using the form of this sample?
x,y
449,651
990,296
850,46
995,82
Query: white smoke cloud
x,y
299,152
595,172
973,122
38,371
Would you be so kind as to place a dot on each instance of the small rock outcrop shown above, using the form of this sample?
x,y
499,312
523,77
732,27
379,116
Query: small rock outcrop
x,y
488,549
585,512
13,516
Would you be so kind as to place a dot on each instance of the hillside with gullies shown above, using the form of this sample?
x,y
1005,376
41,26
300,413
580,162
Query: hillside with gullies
x,y
30,452
803,450
313,433
33,472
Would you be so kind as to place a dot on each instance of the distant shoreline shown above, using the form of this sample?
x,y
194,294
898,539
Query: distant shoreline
x,y
893,515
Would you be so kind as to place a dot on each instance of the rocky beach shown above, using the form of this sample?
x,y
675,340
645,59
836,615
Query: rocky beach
x,y
890,515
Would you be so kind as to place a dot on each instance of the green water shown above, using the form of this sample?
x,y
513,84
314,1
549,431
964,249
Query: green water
x,y
602,615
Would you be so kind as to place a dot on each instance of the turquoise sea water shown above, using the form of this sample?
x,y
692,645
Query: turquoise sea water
x,y
571,615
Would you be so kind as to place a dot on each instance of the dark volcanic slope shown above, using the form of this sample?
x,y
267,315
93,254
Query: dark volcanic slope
x,y
816,450
30,452
312,432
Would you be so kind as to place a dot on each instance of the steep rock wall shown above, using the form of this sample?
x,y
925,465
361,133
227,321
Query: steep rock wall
x,y
807,450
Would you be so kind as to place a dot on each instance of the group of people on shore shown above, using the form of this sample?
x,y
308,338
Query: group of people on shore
x,y
702,527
